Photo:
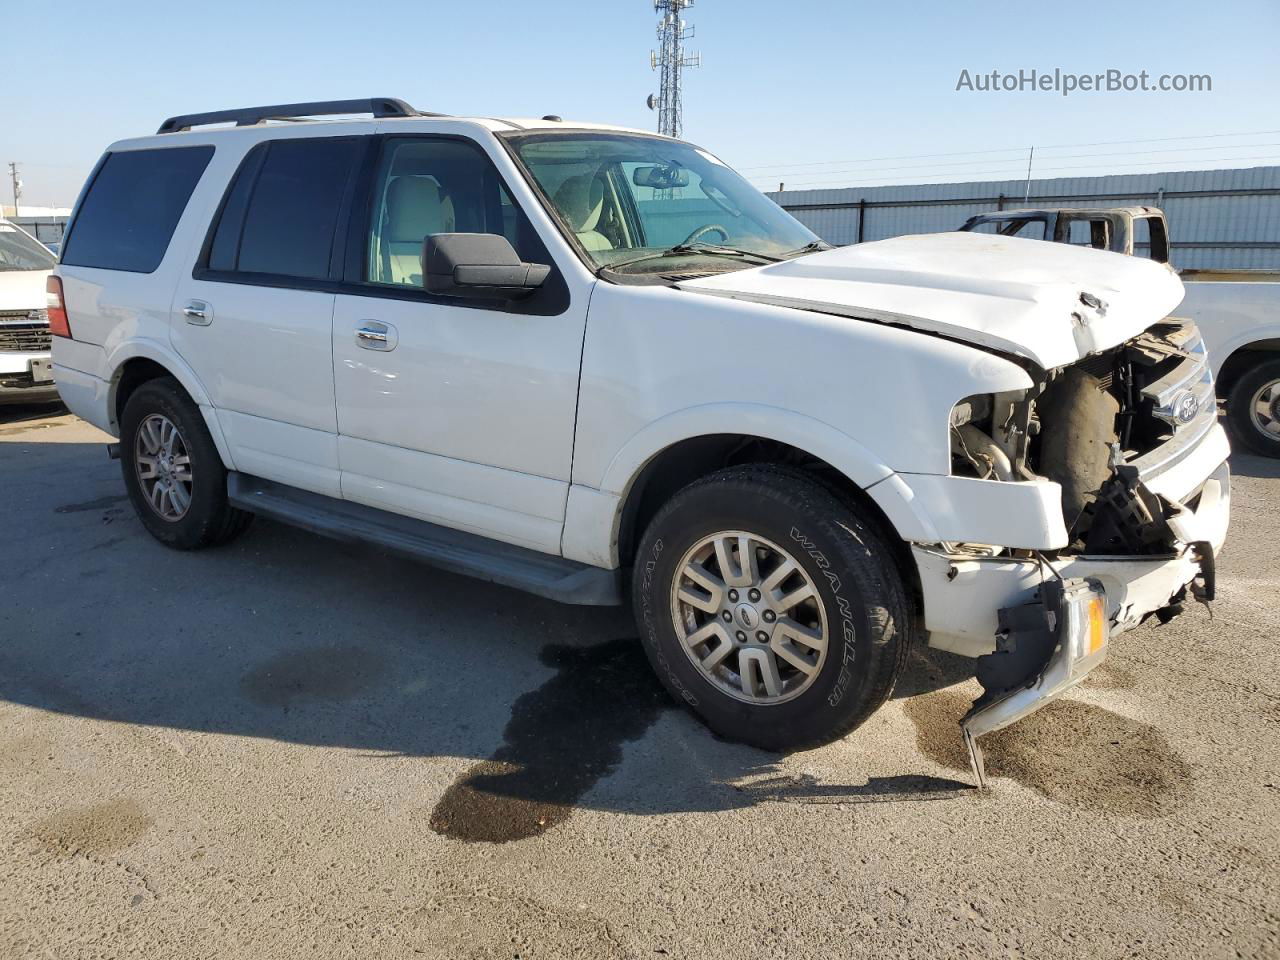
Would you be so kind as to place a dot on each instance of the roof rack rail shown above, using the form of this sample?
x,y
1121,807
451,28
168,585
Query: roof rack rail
x,y
248,116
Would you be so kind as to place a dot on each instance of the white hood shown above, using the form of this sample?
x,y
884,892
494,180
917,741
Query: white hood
x,y
23,289
1016,296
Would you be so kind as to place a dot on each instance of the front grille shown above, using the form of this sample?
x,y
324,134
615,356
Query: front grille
x,y
1185,391
1181,400
24,331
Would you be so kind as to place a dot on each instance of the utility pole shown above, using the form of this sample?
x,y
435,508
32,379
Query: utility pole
x,y
670,60
1031,155
17,188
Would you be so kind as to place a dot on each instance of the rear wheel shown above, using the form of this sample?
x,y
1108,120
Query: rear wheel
x,y
770,608
173,471
1253,408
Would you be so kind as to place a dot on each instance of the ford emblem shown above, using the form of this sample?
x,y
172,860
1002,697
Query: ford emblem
x,y
1186,408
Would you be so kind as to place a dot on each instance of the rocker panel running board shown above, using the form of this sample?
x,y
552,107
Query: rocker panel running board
x,y
556,578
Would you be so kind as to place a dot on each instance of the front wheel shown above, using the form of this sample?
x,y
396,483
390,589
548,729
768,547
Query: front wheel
x,y
770,608
1253,408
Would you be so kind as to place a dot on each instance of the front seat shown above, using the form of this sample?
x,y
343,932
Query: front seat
x,y
581,201
416,208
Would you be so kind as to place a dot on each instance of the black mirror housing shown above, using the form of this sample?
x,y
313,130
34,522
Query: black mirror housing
x,y
482,265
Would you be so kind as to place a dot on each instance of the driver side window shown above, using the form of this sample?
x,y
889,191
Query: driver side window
x,y
425,187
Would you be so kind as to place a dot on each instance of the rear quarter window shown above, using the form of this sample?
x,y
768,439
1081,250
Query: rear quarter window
x,y
132,206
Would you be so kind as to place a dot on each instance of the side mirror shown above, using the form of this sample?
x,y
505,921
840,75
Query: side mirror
x,y
660,177
482,265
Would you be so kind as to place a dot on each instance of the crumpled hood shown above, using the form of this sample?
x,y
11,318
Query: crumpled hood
x,y
1015,296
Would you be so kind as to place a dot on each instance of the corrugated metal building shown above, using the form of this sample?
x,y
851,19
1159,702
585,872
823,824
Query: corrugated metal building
x,y
1219,219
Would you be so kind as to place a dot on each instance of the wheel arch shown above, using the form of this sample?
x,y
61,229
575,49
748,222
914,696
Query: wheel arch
x,y
683,461
137,362
1242,358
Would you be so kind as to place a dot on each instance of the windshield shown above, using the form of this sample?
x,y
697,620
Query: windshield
x,y
18,251
630,199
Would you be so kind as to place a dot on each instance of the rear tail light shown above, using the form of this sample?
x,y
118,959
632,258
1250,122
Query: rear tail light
x,y
57,310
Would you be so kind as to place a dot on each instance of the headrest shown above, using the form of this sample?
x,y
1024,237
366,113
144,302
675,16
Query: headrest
x,y
581,199
416,209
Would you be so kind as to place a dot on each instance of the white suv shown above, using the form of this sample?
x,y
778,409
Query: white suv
x,y
582,361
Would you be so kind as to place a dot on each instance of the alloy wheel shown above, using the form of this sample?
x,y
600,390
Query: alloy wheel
x,y
163,466
749,617
1265,410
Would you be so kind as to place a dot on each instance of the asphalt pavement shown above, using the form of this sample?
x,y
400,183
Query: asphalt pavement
x,y
293,747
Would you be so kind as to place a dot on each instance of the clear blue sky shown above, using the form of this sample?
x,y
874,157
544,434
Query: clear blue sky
x,y
782,84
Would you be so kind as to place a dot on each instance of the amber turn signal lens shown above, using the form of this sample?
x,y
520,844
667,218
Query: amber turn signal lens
x,y
1097,625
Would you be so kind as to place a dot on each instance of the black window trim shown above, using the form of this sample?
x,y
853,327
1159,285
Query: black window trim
x,y
349,253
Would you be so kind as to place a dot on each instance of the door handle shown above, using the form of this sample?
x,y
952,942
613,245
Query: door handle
x,y
375,335
198,312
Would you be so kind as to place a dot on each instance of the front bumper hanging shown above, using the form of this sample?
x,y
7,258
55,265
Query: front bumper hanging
x,y
1043,648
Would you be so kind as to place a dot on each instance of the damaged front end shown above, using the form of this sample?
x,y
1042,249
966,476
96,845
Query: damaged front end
x,y
1116,432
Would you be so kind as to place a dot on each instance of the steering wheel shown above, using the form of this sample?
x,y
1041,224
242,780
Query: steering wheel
x,y
703,230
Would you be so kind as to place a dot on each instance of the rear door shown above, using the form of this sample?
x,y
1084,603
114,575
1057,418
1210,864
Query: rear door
x,y
254,317
464,413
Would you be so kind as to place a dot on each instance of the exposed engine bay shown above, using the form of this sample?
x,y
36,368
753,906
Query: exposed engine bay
x,y
1097,428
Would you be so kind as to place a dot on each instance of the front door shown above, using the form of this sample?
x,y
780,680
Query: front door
x,y
456,411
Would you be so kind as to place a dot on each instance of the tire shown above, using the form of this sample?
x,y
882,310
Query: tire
x,y
1249,426
858,601
206,518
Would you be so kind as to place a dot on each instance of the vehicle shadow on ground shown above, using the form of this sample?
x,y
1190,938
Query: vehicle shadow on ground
x,y
287,636
1251,465
16,414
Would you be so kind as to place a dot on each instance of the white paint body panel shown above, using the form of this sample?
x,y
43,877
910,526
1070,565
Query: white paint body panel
x,y
472,412
266,366
1232,315
1009,294
22,289
662,365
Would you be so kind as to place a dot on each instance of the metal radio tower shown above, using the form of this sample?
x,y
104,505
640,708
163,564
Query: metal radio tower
x,y
671,59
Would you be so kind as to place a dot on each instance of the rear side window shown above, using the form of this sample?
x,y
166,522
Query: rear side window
x,y
281,212
128,215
